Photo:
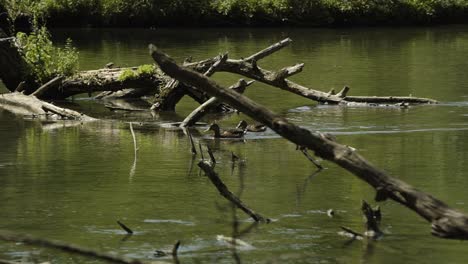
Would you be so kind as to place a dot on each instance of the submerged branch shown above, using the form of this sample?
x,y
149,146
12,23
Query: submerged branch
x,y
224,191
70,248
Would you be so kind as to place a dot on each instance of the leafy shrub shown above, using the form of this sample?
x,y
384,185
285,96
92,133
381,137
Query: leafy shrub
x,y
44,59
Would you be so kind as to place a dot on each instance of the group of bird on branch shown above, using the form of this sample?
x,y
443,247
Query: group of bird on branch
x,y
238,132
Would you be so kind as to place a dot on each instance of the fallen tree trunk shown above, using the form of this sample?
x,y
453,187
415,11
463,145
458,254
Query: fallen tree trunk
x,y
248,67
30,106
110,80
445,221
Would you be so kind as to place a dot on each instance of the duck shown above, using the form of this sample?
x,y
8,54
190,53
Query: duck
x,y
231,133
251,128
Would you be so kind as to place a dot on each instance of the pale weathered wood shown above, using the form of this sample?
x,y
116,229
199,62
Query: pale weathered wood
x,y
24,105
445,221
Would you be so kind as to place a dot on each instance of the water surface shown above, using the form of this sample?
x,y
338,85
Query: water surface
x,y
72,183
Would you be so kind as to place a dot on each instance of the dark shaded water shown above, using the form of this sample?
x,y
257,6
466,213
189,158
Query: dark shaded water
x,y
72,183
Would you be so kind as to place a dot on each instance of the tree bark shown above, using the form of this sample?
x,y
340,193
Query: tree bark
x,y
445,221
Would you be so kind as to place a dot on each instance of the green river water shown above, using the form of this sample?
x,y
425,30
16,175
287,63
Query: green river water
x,y
72,183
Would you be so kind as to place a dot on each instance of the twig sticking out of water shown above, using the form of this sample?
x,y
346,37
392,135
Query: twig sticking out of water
x,y
132,170
354,234
212,158
201,151
309,157
194,149
175,248
234,157
126,228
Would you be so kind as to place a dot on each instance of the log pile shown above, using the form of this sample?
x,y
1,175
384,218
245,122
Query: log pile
x,y
445,221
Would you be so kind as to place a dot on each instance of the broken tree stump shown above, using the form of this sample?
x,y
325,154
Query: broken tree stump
x,y
446,222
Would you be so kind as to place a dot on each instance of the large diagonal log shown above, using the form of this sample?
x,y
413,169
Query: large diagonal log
x,y
248,67
445,221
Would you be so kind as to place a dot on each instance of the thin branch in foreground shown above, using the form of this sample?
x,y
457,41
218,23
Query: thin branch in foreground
x,y
69,248
224,191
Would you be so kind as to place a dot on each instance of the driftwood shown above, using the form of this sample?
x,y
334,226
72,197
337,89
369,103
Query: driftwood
x,y
224,191
212,103
445,221
30,106
248,67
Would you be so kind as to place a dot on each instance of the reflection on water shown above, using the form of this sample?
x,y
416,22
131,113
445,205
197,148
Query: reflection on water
x,y
72,183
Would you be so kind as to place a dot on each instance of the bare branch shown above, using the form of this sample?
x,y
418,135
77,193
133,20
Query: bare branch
x,y
224,191
269,50
70,248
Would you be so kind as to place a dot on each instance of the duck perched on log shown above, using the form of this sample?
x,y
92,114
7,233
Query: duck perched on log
x,y
252,127
231,133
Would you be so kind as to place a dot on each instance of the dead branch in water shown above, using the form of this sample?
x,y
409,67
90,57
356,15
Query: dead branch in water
x,y
445,221
248,67
70,248
224,191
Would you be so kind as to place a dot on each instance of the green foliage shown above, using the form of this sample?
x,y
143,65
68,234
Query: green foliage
x,y
239,12
146,70
44,59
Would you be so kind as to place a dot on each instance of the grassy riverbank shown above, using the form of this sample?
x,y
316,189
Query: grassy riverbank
x,y
154,13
